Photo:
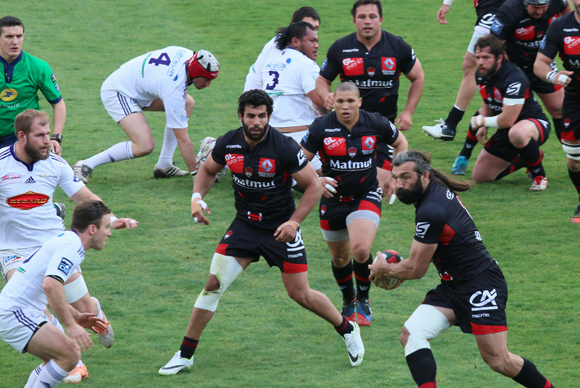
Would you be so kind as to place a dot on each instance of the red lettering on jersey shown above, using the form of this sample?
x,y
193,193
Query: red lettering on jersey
x,y
572,45
353,66
235,163
368,142
497,94
389,63
28,200
335,146
526,33
447,234
267,165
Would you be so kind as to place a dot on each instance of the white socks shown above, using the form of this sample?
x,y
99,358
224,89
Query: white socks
x,y
167,148
120,151
50,376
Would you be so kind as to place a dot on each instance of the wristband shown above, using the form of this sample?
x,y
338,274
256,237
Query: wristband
x,y
113,218
448,2
550,76
289,224
477,121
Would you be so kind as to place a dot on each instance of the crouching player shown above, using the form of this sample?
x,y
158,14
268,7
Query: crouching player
x,y
471,280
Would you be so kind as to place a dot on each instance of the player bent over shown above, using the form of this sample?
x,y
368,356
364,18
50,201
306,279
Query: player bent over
x,y
510,107
155,81
471,280
350,211
40,282
563,37
263,162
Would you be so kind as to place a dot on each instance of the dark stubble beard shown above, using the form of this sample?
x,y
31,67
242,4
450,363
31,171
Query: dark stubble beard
x,y
35,154
254,137
488,74
411,196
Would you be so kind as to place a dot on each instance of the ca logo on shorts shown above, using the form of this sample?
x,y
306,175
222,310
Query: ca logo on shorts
x,y
8,95
484,300
297,244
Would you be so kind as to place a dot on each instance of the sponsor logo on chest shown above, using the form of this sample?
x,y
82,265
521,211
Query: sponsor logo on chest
x,y
353,66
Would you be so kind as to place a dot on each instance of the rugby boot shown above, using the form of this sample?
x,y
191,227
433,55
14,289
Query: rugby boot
x,y
348,309
364,314
60,209
539,183
576,216
168,172
78,374
460,165
176,364
354,345
82,171
440,131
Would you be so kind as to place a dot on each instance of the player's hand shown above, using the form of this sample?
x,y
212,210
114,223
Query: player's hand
x,y
329,101
563,81
91,321
287,231
404,121
442,13
329,186
390,190
197,208
55,147
124,223
80,336
481,135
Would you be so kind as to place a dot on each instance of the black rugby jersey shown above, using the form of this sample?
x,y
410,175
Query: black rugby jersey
x,y
261,175
441,218
483,7
376,73
350,156
509,82
522,33
563,36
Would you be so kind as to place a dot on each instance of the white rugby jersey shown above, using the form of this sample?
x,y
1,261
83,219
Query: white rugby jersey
x,y
157,74
58,256
254,77
287,77
27,216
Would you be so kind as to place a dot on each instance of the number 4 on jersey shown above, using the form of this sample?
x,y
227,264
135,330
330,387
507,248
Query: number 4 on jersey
x,y
162,60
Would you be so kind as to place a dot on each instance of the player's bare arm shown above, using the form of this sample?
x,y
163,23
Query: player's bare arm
x,y
442,13
415,267
323,91
186,148
117,223
545,72
328,184
201,186
417,78
59,118
317,102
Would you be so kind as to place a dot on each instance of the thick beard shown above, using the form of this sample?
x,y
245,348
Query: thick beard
x,y
251,136
411,196
488,74
35,154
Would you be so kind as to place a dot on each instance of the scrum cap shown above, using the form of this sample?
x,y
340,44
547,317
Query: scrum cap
x,y
536,2
203,64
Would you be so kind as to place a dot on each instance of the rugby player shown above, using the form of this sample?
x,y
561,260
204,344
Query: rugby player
x,y
267,223
563,37
350,210
473,292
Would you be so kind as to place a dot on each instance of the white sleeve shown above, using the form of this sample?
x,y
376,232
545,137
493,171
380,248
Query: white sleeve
x,y
64,261
68,181
254,77
175,114
308,77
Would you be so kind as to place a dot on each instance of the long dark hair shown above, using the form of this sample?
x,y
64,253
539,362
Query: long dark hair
x,y
422,162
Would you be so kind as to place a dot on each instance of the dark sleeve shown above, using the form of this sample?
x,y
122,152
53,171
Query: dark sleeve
x,y
331,66
515,85
408,57
503,24
429,223
311,141
551,43
293,159
218,153
389,133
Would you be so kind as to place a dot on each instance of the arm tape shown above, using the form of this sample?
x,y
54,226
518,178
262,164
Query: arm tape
x,y
448,2
491,122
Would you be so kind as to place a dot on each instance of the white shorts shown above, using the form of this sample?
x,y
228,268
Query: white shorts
x,y
478,33
12,259
18,326
297,136
119,105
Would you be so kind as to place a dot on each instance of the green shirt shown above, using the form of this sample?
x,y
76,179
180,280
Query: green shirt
x,y
19,88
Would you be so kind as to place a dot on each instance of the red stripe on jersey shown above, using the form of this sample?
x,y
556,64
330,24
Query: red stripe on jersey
x,y
447,234
429,385
324,225
548,384
367,205
221,249
387,165
486,329
294,268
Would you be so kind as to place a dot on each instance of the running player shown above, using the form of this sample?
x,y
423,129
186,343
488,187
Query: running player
x,y
350,210
522,24
473,292
485,10
267,223
155,81
510,107
373,60
563,37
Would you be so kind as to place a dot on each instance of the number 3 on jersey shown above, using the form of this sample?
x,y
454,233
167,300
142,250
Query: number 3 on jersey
x,y
275,79
162,60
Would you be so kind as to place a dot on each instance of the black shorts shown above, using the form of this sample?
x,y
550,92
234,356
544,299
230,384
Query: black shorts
x,y
499,144
538,85
333,213
244,240
571,117
479,303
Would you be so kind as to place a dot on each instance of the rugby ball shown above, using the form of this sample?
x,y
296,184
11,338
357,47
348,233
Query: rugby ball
x,y
390,283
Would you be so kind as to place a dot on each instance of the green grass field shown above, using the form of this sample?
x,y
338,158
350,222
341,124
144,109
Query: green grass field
x,y
148,279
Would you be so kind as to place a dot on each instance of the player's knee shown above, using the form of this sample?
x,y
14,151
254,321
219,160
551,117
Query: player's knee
x,y
424,324
212,284
481,176
495,362
518,137
299,296
573,155
223,271
360,251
